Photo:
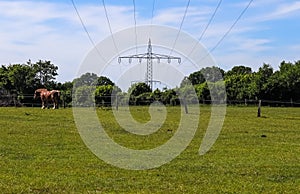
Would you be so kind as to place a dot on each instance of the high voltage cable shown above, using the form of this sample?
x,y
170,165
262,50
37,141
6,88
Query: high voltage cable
x,y
85,29
229,30
210,20
206,27
153,6
152,15
108,22
134,17
232,26
181,24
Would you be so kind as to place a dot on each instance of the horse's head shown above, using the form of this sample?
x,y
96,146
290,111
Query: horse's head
x,y
35,95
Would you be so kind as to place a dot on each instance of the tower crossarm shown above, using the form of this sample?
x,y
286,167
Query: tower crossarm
x,y
150,56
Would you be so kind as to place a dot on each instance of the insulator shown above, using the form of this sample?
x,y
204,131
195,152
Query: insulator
x,y
169,60
179,60
119,60
140,60
130,60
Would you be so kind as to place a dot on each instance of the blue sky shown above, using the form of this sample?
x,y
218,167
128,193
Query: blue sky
x,y
51,30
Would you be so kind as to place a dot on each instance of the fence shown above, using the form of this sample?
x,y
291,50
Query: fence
x,y
27,100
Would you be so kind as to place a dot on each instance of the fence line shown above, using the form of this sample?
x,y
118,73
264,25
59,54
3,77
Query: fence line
x,y
113,100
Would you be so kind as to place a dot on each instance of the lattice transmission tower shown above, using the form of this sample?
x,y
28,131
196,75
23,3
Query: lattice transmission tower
x,y
149,56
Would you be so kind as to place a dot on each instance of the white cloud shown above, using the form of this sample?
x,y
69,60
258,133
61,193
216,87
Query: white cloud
x,y
52,31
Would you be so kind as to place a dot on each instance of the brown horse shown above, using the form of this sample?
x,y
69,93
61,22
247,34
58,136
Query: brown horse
x,y
47,96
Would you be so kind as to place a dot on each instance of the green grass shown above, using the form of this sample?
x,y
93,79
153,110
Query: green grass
x,y
41,152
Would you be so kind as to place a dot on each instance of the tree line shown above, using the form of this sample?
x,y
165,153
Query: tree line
x,y
241,84
282,85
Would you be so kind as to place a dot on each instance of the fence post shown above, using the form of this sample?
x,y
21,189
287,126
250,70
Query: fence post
x,y
259,109
117,103
185,106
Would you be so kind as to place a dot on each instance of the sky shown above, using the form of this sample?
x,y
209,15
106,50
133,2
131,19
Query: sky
x,y
51,29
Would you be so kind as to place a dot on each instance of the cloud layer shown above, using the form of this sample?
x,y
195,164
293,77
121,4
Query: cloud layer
x,y
52,30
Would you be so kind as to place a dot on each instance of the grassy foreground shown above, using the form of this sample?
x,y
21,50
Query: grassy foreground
x,y
41,151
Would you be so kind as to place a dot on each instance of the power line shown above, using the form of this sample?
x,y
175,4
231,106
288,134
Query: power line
x,y
210,20
85,29
232,26
229,30
181,24
109,25
206,27
134,17
152,15
153,7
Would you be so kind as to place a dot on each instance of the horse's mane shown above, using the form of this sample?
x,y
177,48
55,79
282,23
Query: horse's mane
x,y
41,90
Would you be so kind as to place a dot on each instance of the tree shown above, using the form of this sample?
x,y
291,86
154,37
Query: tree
x,y
240,87
87,79
185,81
21,78
261,79
284,84
104,81
156,94
170,97
212,74
103,95
45,73
196,78
5,83
239,70
202,92
84,96
137,89
66,92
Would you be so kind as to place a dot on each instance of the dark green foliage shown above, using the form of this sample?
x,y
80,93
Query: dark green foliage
x,y
90,90
44,73
211,74
104,81
18,82
103,95
139,92
239,70
87,79
243,84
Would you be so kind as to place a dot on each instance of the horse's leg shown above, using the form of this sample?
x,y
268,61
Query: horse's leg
x,y
54,103
43,104
57,102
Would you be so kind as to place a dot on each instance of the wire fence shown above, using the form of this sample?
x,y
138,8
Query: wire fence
x,y
65,101
28,100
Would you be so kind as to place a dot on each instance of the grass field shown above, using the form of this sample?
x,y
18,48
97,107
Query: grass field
x,y
41,151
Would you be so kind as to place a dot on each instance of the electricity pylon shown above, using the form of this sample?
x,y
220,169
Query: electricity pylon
x,y
149,56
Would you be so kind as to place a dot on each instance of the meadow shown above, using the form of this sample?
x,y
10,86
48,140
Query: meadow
x,y
41,151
